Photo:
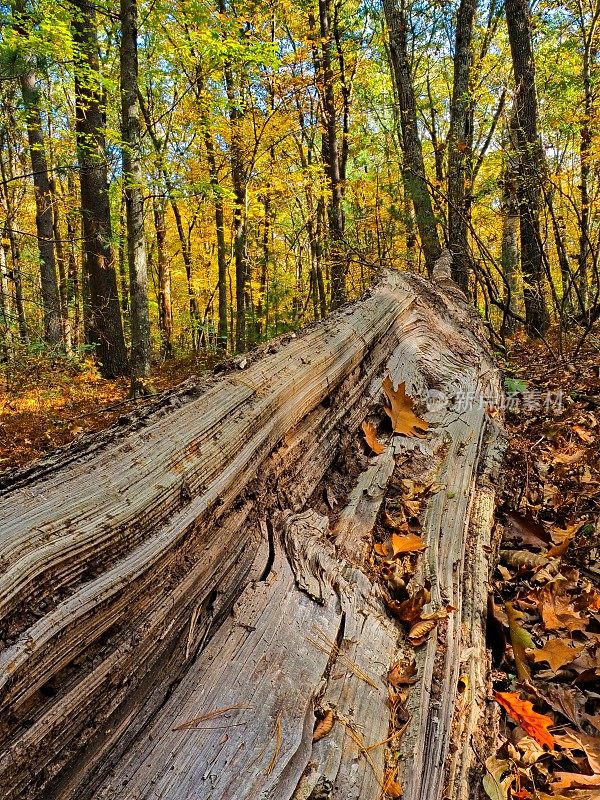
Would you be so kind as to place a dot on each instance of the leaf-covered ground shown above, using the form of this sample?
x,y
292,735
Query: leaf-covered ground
x,y
544,612
46,403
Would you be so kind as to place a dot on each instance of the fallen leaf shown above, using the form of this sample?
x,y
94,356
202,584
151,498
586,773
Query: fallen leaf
x,y
557,653
371,438
583,433
568,458
419,633
574,795
324,725
404,420
566,537
403,673
520,640
526,529
393,523
410,610
406,544
566,700
523,559
577,740
521,711
573,780
555,607
531,751
391,787
498,778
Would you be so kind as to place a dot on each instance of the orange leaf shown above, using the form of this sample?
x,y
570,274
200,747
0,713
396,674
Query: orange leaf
x,y
401,413
324,725
406,544
583,433
521,711
410,610
371,438
573,780
391,787
557,653
402,673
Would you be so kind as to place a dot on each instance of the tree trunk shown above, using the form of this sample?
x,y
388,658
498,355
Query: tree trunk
x,y
9,235
413,164
105,328
165,313
532,160
53,333
134,202
509,260
459,145
331,159
188,625
213,172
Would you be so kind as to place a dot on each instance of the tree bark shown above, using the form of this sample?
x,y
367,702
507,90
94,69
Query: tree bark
x,y
53,333
104,324
165,312
459,145
9,236
331,159
509,260
413,164
532,161
134,202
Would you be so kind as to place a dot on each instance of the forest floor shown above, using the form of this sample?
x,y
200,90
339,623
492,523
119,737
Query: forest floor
x,y
47,403
544,612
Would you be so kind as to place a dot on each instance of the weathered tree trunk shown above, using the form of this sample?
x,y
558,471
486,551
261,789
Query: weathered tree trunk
x,y
459,141
413,164
134,201
105,328
53,333
193,571
532,161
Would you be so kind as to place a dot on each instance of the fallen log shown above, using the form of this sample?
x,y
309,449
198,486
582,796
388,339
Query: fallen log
x,y
184,596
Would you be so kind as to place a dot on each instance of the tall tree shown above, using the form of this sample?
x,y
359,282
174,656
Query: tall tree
x,y
44,220
332,158
105,327
532,163
134,201
459,144
414,165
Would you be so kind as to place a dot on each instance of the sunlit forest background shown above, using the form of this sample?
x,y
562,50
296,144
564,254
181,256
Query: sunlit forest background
x,y
272,162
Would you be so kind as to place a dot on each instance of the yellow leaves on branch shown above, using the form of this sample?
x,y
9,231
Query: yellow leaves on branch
x,y
521,711
404,420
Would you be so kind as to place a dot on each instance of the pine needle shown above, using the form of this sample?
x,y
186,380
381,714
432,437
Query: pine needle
x,y
277,749
329,646
218,712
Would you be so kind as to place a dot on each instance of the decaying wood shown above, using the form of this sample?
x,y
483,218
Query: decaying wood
x,y
179,601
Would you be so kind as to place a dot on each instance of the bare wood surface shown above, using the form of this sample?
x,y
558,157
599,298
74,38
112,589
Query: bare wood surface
x,y
189,565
